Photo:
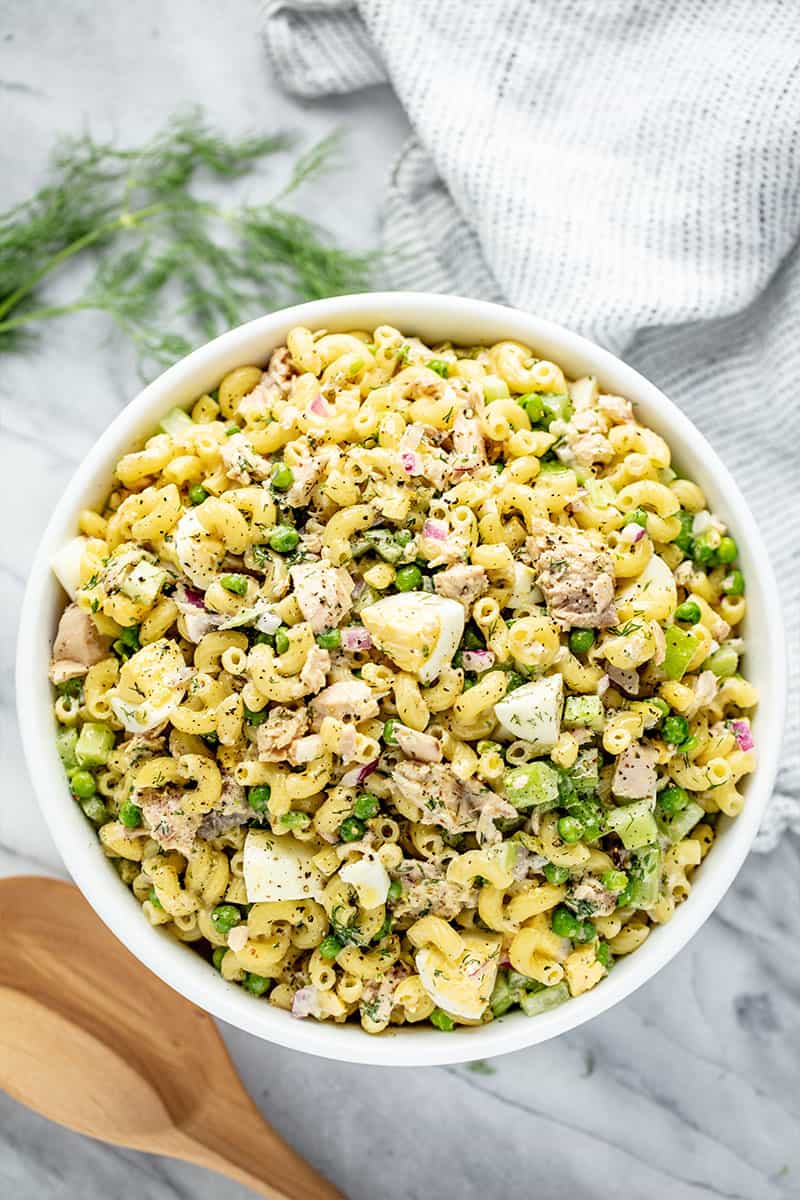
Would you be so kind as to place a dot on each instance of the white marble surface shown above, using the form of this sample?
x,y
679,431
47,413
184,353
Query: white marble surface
x,y
686,1090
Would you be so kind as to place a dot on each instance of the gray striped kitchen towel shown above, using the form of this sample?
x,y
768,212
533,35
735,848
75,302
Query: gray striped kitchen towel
x,y
629,168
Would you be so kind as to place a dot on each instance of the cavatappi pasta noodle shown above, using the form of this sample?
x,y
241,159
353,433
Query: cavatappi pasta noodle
x,y
403,682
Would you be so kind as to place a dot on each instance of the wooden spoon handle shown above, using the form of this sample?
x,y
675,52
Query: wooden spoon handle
x,y
243,1147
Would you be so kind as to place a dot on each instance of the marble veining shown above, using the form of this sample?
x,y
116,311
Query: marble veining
x,y
686,1090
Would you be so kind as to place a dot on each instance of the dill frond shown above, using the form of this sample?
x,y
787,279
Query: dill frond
x,y
173,268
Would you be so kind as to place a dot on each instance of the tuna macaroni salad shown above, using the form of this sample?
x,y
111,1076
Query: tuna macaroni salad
x,y
404,682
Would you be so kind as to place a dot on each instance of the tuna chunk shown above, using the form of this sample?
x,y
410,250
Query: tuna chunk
x,y
635,773
444,799
426,890
78,645
315,669
348,700
242,464
169,825
377,1000
231,811
588,898
461,582
469,448
306,476
575,576
282,727
323,593
421,746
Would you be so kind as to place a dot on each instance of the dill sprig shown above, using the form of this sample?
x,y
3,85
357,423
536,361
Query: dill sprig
x,y
172,268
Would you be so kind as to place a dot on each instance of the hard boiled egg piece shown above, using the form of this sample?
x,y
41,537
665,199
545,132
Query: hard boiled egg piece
x,y
461,988
370,879
653,595
279,868
66,565
533,712
199,554
419,631
151,685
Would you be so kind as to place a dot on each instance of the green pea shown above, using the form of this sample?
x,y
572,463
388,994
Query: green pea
x,y
152,896
581,640
284,539
256,984
637,517
218,955
197,494
733,584
723,662
130,815
329,947
675,729
403,537
442,1021
95,810
224,917
282,477
727,550
532,403
473,640
688,611
234,583
672,799
366,806
129,637
282,640
514,680
556,875
395,890
614,881
258,797
439,366
329,639
703,552
254,718
70,687
684,540
570,830
586,932
352,829
408,578
660,704
82,784
604,955
564,923
388,732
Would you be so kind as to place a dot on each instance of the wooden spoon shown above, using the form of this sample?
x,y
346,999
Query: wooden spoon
x,y
90,1038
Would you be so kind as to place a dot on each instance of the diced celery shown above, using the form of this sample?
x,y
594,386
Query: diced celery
x,y
722,662
601,492
66,740
585,771
651,710
175,422
677,825
94,745
144,582
533,786
584,711
634,824
644,874
553,467
502,996
556,407
533,1003
681,647
495,388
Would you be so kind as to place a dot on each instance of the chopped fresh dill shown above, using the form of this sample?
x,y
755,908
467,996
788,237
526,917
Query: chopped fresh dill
x,y
172,268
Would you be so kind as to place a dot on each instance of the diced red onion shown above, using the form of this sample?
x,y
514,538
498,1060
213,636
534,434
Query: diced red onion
x,y
357,775
320,407
355,637
632,533
435,529
478,660
627,680
741,731
411,461
603,684
305,1002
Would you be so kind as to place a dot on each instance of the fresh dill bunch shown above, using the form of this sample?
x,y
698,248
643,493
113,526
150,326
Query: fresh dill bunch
x,y
172,268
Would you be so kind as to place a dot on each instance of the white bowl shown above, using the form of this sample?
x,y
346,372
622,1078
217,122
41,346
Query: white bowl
x,y
434,318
